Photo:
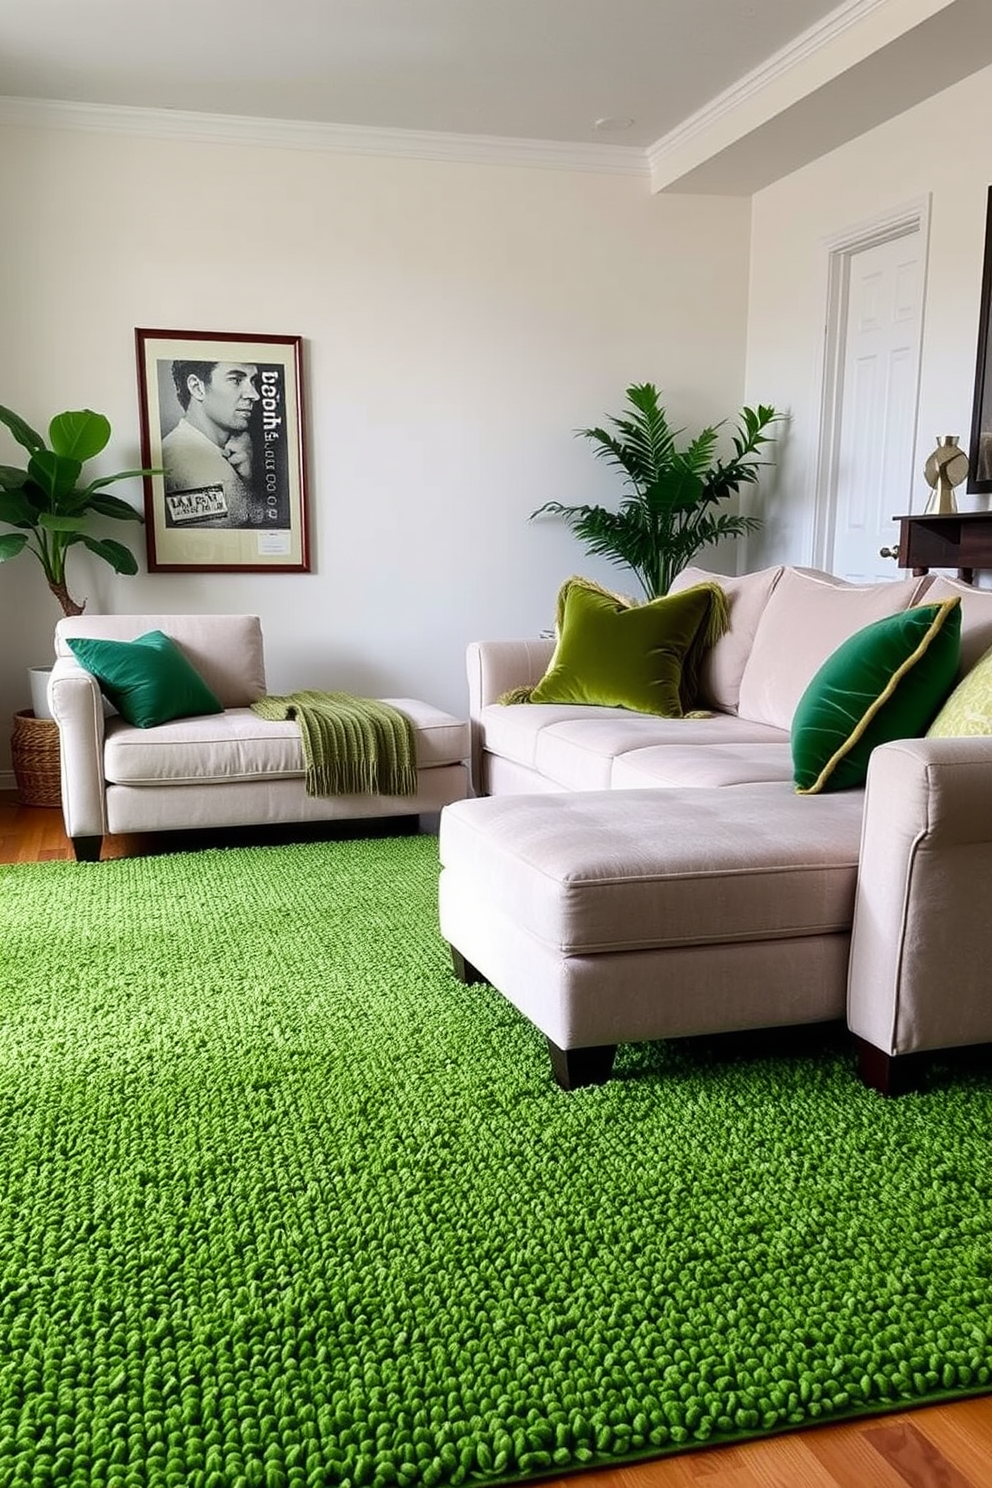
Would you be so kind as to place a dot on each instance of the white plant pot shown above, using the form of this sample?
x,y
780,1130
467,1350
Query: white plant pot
x,y
38,679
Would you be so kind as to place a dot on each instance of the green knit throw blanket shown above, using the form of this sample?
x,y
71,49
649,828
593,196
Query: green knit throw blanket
x,y
351,745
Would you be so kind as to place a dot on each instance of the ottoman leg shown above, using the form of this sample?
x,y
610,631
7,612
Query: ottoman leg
x,y
575,1067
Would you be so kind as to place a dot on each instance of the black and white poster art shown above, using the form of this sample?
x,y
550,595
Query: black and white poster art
x,y
222,425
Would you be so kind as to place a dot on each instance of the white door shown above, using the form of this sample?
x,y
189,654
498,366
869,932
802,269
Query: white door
x,y
879,366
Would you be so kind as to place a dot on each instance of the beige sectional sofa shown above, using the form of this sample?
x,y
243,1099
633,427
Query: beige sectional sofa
x,y
625,877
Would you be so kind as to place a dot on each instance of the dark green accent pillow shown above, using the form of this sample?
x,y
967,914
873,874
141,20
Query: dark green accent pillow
x,y
885,682
149,681
644,657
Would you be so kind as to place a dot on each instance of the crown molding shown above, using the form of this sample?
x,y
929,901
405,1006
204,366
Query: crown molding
x,y
340,139
847,16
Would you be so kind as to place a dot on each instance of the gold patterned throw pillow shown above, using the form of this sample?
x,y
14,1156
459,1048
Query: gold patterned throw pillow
x,y
968,710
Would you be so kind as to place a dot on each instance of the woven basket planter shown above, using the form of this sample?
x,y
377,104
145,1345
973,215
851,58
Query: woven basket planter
x,y
34,747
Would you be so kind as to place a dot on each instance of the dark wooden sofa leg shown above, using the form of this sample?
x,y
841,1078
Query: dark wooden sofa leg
x,y
889,1074
464,970
87,849
576,1067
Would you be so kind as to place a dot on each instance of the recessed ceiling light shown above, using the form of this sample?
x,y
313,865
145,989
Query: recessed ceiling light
x,y
612,123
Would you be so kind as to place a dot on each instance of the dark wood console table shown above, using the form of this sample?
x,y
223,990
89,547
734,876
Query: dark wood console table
x,y
961,540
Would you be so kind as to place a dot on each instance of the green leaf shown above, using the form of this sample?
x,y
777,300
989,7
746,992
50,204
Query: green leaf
x,y
11,543
55,475
79,434
677,489
108,480
22,432
17,509
11,479
59,522
113,506
120,558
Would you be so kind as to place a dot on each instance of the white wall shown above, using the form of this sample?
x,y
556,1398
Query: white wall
x,y
460,322
941,149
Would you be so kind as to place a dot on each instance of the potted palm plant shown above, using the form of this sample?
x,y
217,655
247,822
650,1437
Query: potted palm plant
x,y
670,511
52,509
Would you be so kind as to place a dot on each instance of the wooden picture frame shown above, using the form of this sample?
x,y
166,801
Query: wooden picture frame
x,y
222,427
980,448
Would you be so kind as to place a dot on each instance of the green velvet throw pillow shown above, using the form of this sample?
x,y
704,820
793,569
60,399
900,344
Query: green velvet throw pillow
x,y
884,682
616,654
149,680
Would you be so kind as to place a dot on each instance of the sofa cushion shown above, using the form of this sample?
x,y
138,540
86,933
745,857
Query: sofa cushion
x,y
672,765
645,869
968,710
148,680
976,616
583,754
806,618
576,747
237,746
885,682
620,655
723,664
226,650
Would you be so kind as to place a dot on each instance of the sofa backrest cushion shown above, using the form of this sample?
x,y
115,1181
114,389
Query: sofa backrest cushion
x,y
149,680
226,650
976,616
723,664
807,616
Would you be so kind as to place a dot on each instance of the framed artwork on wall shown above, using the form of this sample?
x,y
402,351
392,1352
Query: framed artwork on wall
x,y
980,450
222,427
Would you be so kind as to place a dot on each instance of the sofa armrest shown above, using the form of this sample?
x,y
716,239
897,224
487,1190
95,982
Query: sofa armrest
x,y
494,667
921,943
77,706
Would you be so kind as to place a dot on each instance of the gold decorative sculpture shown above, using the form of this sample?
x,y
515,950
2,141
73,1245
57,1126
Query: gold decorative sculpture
x,y
945,468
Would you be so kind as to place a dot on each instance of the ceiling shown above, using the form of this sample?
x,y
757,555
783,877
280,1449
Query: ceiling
x,y
538,69
512,70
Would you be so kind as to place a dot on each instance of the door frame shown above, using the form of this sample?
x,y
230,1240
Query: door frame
x,y
839,250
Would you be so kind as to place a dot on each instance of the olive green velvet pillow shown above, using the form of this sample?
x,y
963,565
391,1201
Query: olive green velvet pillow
x,y
885,682
616,654
149,681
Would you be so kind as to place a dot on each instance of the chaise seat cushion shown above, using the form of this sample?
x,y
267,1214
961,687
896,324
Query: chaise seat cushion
x,y
576,747
239,746
718,764
606,871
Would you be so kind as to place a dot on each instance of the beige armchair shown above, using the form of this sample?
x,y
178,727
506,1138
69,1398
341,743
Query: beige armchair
x,y
225,769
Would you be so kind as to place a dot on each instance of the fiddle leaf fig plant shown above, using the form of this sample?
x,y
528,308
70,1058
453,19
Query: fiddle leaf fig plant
x,y
669,511
49,505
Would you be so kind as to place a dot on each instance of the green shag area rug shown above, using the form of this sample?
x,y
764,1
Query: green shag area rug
x,y
285,1204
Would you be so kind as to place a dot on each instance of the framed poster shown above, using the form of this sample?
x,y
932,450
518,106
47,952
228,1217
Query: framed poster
x,y
980,450
222,427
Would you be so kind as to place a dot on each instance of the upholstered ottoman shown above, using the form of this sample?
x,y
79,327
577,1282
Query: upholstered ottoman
x,y
618,916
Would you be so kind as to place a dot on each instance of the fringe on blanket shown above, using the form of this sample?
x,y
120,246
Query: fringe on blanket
x,y
351,745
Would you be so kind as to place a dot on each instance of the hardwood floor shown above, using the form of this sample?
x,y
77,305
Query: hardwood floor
x,y
946,1446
